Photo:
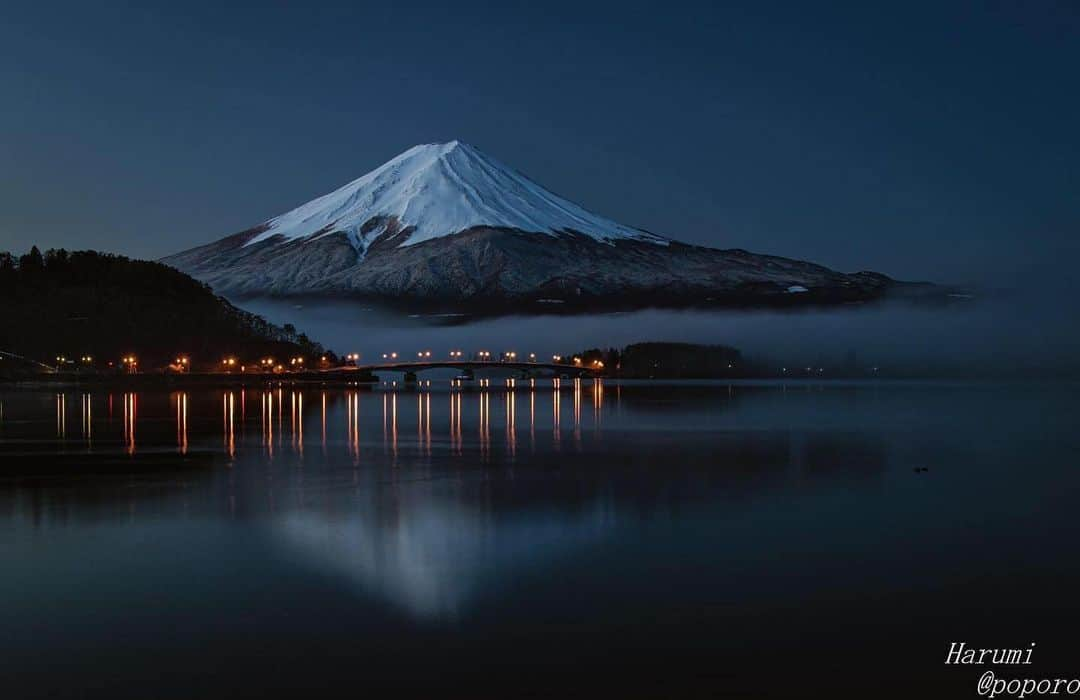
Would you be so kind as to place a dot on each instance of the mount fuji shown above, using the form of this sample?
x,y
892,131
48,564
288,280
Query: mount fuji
x,y
444,225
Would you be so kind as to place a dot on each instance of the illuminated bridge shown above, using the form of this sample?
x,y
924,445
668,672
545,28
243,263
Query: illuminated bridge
x,y
468,367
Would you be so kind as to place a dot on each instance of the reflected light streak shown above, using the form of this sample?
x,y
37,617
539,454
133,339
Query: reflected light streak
x,y
556,402
229,409
280,413
352,424
511,422
598,401
427,423
356,424
485,427
300,422
268,431
455,423
181,422
452,395
577,411
393,423
292,419
61,416
86,418
420,419
130,411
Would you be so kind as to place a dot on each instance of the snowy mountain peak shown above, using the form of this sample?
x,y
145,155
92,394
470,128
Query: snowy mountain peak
x,y
439,189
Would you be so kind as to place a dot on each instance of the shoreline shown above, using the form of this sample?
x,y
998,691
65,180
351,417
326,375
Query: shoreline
x,y
151,381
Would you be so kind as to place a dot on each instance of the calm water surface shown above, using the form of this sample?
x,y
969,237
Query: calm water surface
x,y
647,539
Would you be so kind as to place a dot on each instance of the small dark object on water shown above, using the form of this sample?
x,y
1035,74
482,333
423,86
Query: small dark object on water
x,y
920,469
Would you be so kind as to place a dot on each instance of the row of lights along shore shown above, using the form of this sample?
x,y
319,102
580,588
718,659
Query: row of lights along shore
x,y
479,356
182,363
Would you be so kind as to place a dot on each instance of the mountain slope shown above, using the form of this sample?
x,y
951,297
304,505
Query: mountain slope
x,y
447,226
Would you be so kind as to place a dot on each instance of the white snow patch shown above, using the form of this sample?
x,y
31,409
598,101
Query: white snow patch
x,y
442,189
797,289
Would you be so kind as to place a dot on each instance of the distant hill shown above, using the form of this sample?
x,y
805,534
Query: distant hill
x,y
103,306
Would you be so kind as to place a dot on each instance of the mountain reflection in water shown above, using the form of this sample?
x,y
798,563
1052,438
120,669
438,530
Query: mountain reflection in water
x,y
638,528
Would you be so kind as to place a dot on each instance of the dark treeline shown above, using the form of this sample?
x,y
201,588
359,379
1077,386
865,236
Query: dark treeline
x,y
664,360
667,361
87,303
680,361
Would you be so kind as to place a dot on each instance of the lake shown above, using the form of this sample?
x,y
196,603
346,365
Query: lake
x,y
609,539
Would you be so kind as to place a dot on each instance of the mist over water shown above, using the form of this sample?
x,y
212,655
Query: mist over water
x,y
1001,335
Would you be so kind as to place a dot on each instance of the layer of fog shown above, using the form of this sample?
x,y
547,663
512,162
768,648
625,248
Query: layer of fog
x,y
1003,335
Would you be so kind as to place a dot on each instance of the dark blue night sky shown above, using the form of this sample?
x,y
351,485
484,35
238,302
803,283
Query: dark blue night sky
x,y
926,140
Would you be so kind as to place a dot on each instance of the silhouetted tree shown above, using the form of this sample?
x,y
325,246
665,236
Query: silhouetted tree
x,y
32,261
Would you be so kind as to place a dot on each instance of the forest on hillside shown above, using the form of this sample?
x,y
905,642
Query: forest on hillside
x,y
91,304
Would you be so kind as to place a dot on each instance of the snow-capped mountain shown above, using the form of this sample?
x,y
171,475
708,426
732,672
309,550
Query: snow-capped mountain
x,y
436,190
444,224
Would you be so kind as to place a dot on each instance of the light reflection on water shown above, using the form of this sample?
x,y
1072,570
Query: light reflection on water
x,y
473,517
283,417
426,561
